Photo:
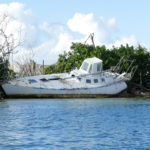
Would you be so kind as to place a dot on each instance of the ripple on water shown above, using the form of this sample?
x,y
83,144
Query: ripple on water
x,y
75,124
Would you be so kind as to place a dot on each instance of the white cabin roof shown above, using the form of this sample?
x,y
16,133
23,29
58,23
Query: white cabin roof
x,y
93,60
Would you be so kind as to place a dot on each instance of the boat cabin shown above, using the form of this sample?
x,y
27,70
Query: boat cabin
x,y
92,65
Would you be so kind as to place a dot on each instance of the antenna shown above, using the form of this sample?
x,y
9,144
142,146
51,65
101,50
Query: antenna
x,y
91,36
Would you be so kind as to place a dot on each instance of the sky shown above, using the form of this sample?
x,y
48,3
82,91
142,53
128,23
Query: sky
x,y
49,27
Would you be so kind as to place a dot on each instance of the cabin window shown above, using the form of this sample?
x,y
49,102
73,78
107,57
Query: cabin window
x,y
85,66
95,80
32,81
103,80
79,78
88,81
90,70
43,79
98,67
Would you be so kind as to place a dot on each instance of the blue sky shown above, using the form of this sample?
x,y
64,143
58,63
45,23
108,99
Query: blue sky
x,y
130,20
133,16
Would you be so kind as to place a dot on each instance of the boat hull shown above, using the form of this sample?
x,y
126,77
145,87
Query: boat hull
x,y
16,91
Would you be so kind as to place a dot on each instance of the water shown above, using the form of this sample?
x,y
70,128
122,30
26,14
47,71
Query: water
x,y
75,124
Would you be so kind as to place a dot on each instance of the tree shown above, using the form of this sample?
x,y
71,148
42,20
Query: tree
x,y
26,66
74,58
8,44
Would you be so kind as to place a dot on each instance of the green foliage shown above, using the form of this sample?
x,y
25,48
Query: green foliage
x,y
5,72
49,69
74,58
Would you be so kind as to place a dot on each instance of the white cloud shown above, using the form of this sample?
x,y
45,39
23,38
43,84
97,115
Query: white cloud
x,y
88,23
20,19
60,37
47,41
18,11
52,29
131,40
50,49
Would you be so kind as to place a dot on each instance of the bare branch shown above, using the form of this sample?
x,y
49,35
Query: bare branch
x,y
27,66
8,43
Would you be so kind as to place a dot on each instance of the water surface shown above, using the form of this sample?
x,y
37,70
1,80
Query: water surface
x,y
75,124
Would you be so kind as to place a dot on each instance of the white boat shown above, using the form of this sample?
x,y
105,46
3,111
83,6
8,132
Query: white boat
x,y
88,81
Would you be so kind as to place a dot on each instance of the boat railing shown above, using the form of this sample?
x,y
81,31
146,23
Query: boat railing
x,y
106,73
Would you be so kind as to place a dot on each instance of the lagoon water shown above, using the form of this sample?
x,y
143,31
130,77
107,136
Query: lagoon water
x,y
75,124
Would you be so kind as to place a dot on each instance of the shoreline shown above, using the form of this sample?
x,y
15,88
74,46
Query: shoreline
x,y
115,96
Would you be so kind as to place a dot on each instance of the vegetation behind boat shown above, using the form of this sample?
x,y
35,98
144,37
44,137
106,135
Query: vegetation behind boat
x,y
74,58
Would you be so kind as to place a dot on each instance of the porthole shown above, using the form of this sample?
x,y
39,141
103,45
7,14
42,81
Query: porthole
x,y
88,81
95,80
32,81
103,80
